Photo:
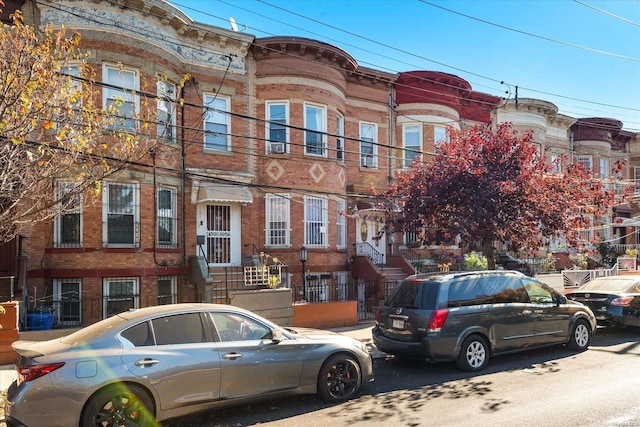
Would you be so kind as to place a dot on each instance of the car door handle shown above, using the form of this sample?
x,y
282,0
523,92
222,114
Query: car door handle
x,y
146,362
232,356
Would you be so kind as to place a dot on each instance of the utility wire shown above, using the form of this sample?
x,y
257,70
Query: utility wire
x,y
608,13
199,47
631,58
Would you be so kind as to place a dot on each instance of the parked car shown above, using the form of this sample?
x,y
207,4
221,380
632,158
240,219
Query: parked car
x,y
469,316
508,262
151,364
615,300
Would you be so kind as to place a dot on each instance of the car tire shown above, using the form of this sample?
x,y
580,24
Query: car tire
x,y
474,354
339,378
580,336
119,405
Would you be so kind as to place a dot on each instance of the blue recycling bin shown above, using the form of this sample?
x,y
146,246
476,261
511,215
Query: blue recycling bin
x,y
39,322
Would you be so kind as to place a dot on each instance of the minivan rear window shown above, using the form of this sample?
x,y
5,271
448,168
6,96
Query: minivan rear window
x,y
414,294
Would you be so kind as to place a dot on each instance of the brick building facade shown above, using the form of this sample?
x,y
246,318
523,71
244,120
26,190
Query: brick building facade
x,y
272,144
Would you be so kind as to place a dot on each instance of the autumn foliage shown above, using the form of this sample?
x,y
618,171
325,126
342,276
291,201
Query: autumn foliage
x,y
51,126
492,187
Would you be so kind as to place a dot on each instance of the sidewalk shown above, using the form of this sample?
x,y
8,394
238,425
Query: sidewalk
x,y
361,332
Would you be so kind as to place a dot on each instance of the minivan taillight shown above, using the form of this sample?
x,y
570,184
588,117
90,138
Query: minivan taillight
x,y
437,319
31,372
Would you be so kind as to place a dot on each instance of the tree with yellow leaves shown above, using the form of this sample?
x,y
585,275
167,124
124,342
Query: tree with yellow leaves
x,y
51,130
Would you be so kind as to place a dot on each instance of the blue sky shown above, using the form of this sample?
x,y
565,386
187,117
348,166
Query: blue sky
x,y
582,55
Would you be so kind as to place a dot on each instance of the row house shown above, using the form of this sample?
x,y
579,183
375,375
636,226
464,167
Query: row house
x,y
266,154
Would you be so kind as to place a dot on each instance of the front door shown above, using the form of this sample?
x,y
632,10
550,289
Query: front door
x,y
220,224
369,236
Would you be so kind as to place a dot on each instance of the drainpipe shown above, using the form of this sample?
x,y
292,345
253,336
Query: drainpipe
x,y
391,133
182,180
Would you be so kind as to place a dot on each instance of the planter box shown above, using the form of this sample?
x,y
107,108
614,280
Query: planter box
x,y
272,304
326,314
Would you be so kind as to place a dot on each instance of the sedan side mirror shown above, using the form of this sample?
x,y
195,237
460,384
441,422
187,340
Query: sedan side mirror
x,y
276,335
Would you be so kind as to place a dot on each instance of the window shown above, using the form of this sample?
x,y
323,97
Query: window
x,y
236,327
277,114
216,123
588,232
412,141
167,217
368,147
340,137
166,290
586,161
179,329
636,178
166,127
440,135
278,230
605,172
119,96
315,221
556,163
120,294
68,223
120,214
75,86
68,294
341,225
317,288
169,330
315,124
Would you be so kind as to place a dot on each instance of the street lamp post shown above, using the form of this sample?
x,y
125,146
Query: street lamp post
x,y
303,259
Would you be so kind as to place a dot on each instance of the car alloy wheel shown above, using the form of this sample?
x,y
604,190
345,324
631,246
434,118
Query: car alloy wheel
x,y
119,405
339,378
474,354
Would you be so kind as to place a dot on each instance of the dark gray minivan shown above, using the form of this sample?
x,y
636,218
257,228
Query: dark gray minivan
x,y
469,316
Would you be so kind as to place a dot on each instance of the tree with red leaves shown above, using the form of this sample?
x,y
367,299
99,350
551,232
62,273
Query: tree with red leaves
x,y
493,187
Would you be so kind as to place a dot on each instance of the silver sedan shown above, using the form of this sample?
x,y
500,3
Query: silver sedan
x,y
148,365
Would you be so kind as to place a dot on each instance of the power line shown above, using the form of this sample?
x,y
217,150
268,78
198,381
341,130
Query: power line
x,y
608,13
631,58
179,42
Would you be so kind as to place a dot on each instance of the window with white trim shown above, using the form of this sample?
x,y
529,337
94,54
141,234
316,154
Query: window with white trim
x,y
277,130
586,161
277,227
120,294
166,110
605,171
412,142
64,115
636,179
315,123
167,217
368,145
315,221
167,290
440,135
68,223
120,214
119,96
67,293
587,233
217,123
556,163
340,137
341,224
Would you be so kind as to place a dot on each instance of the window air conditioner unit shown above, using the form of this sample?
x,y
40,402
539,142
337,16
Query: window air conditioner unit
x,y
366,161
277,147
